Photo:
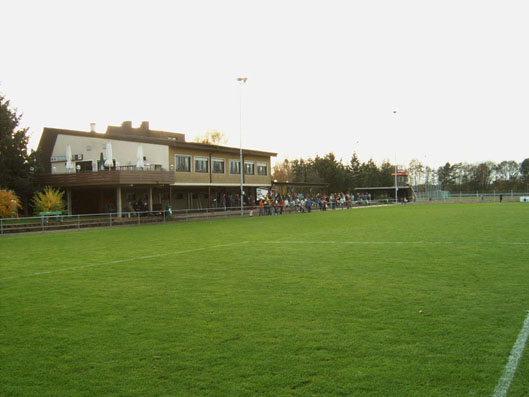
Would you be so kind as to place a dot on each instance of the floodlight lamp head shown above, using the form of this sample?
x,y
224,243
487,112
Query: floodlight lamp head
x,y
242,79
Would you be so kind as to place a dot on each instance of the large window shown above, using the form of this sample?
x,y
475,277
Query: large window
x,y
201,164
235,167
249,167
217,166
182,163
262,169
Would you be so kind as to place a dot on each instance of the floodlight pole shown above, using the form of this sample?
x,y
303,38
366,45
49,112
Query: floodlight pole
x,y
241,81
396,186
396,182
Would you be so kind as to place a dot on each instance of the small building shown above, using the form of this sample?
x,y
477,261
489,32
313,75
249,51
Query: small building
x,y
128,168
403,189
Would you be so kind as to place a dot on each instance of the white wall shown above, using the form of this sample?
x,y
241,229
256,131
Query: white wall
x,y
125,153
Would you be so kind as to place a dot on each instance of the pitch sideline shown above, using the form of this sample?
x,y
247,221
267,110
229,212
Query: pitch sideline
x,y
512,363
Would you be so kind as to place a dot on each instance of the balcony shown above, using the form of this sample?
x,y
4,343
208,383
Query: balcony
x,y
114,177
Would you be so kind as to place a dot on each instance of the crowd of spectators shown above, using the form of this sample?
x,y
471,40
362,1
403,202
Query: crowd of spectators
x,y
277,204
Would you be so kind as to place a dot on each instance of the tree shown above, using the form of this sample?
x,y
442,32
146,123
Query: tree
x,y
506,175
385,178
480,179
212,137
369,174
48,200
524,170
332,172
15,163
353,170
416,170
282,172
447,176
9,204
304,171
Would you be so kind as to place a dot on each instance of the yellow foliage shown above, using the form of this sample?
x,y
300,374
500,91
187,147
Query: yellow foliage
x,y
212,137
48,200
9,204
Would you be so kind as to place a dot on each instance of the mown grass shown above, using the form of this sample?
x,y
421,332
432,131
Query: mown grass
x,y
422,300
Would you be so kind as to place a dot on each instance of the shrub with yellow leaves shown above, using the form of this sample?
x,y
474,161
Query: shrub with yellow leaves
x,y
48,200
9,204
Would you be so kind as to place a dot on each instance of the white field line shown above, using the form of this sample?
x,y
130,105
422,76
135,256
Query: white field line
x,y
512,364
388,242
123,260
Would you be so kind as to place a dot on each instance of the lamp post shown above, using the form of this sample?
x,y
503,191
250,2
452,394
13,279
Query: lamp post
x,y
396,183
396,180
241,81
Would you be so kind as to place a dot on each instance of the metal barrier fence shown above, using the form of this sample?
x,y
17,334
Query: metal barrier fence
x,y
48,223
469,197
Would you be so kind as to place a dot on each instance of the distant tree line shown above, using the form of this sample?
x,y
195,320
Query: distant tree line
x,y
461,177
339,176
484,177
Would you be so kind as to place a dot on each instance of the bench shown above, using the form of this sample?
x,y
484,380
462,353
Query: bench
x,y
49,213
45,214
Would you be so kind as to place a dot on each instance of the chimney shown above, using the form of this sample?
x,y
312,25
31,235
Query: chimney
x,y
127,124
92,127
144,126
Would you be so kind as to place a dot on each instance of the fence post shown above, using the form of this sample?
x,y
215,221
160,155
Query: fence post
x,y
138,216
186,214
78,221
42,223
163,217
1,226
110,219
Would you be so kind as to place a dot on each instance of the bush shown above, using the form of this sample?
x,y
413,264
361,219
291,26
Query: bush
x,y
9,204
48,200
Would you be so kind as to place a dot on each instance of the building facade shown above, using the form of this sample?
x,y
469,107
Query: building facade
x,y
129,169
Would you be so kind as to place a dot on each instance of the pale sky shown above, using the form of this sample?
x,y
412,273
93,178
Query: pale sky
x,y
323,76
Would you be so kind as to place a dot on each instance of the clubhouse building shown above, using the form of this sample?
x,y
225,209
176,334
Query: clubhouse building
x,y
128,168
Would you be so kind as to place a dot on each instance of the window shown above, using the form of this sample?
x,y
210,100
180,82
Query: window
x,y
217,166
182,163
249,167
235,167
201,164
262,169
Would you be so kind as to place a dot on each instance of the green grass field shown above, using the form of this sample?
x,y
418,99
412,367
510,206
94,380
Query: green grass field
x,y
423,300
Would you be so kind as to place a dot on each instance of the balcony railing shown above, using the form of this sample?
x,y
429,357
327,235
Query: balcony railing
x,y
120,176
